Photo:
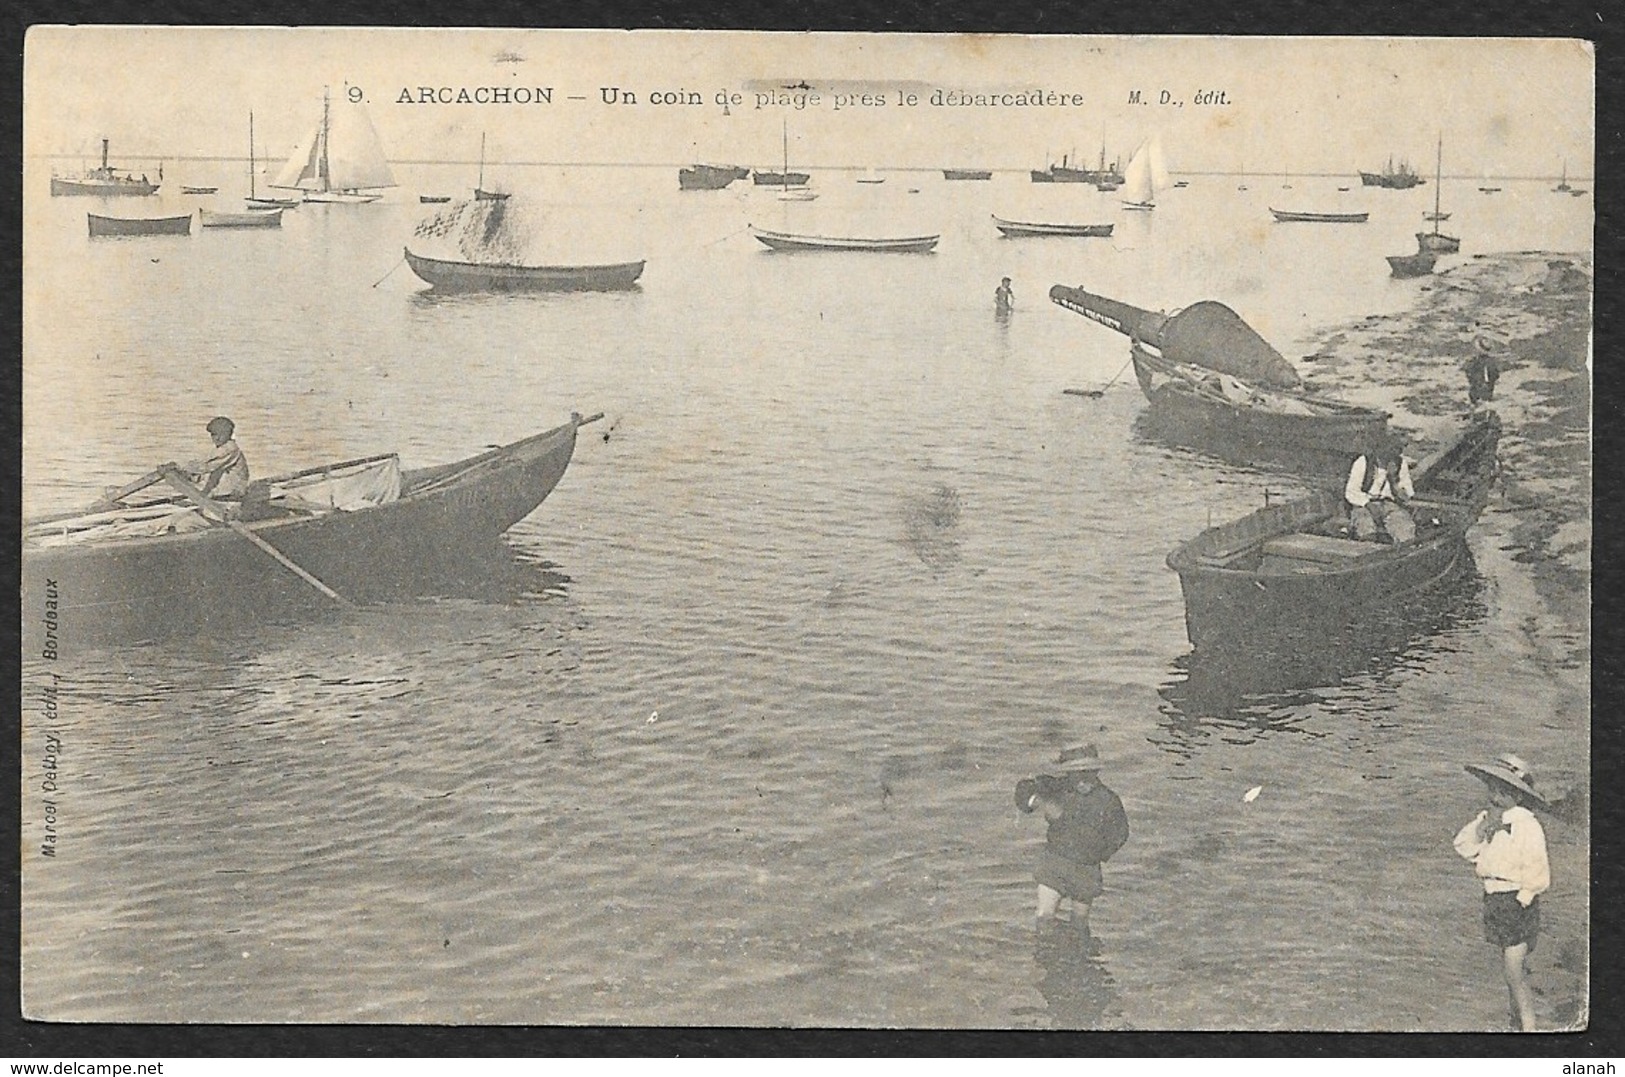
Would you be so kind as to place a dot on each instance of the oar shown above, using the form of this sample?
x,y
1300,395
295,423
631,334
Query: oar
x,y
156,475
215,512
1096,394
391,272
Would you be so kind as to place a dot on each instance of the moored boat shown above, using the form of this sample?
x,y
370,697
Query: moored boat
x,y
254,218
790,241
104,181
139,226
709,177
1436,241
1290,571
339,161
1399,177
1419,264
1145,176
1016,229
779,179
454,276
1284,215
198,190
150,568
434,199
967,173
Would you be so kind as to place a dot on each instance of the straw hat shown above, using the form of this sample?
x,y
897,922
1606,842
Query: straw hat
x,y
1511,772
1083,759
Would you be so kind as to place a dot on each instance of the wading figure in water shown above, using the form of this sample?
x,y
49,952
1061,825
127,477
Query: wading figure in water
x,y
1087,825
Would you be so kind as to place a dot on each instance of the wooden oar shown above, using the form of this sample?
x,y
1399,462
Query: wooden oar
x,y
215,512
1096,394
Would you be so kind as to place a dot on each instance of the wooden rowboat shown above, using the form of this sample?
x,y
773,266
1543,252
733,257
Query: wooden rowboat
x,y
1015,229
1288,571
1288,216
1419,264
198,190
449,276
149,585
139,226
790,241
261,218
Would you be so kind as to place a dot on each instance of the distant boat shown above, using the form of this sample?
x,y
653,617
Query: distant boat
x,y
1577,192
790,241
433,199
1436,241
779,179
340,160
1104,177
198,190
1015,229
1490,190
1435,216
480,193
1284,215
139,226
1419,264
709,177
797,194
1182,183
103,182
254,201
787,179
1145,176
254,218
871,177
1342,188
967,173
1401,177
449,276
1563,184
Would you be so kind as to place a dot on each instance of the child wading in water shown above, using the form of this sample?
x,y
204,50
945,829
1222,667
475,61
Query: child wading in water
x,y
1086,826
1507,846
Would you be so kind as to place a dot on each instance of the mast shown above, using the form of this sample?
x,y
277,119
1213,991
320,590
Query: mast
x,y
251,155
1438,173
481,182
104,155
323,171
784,177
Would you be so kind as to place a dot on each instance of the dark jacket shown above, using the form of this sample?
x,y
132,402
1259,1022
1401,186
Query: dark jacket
x,y
1092,826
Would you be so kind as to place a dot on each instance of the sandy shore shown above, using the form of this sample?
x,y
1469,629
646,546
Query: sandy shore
x,y
1535,537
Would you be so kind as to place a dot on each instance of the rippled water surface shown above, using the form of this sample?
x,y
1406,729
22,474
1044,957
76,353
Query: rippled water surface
x,y
733,738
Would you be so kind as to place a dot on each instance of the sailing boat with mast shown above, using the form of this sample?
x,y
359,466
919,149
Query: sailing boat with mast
x,y
1436,242
1563,184
256,201
786,193
258,215
1146,175
480,193
341,160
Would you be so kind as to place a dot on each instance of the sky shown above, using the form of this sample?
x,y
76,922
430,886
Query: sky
x,y
1502,107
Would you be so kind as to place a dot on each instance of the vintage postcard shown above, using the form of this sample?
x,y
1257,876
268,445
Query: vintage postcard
x,y
806,530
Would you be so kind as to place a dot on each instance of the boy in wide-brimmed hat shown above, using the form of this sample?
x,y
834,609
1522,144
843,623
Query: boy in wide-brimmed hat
x,y
1087,825
1507,846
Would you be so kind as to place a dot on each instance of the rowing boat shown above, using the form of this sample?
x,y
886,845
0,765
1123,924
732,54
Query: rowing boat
x,y
449,276
139,226
1287,216
790,241
149,568
1289,571
254,218
1419,264
1018,229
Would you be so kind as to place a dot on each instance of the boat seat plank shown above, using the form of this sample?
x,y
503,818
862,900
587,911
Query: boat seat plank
x,y
1320,549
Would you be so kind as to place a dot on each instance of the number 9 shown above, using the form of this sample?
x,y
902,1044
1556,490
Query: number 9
x,y
355,95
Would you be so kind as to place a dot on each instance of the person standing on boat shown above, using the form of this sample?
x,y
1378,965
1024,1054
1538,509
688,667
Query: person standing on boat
x,y
1483,371
1507,847
1087,825
224,472
1004,300
1379,485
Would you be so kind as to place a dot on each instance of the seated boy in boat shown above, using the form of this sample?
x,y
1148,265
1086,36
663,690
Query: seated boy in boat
x,y
1378,488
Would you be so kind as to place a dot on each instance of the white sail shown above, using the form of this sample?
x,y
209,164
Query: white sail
x,y
1138,186
355,157
301,169
1159,168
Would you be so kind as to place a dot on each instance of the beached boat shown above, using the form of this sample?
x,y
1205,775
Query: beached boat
x,y
1436,241
151,566
1396,177
139,226
1289,570
254,218
709,177
1016,229
1284,215
452,276
340,160
789,241
967,173
1419,264
1145,176
198,190
104,182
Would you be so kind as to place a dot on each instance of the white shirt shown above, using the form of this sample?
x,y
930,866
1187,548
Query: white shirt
x,y
1354,491
1513,859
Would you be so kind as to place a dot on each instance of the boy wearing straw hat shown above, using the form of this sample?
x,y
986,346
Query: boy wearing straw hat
x,y
1087,825
1507,846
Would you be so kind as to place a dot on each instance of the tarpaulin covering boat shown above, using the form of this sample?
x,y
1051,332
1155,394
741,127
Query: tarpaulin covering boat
x,y
1290,570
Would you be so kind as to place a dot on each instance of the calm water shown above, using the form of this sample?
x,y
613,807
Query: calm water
x,y
739,750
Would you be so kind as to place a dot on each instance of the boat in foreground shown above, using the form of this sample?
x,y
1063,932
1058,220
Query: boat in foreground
x,y
104,181
152,567
1284,215
1419,264
254,218
139,226
1038,228
790,241
449,276
1289,571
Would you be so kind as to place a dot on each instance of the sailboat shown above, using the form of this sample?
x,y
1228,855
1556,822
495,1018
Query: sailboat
x,y
341,160
1563,184
480,193
786,192
258,215
254,201
1146,175
1436,242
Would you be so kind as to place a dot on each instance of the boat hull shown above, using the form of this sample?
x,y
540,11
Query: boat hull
x,y
139,226
1412,265
474,277
153,587
1022,229
1437,243
1289,216
1320,443
967,174
709,177
780,179
264,218
787,241
114,188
